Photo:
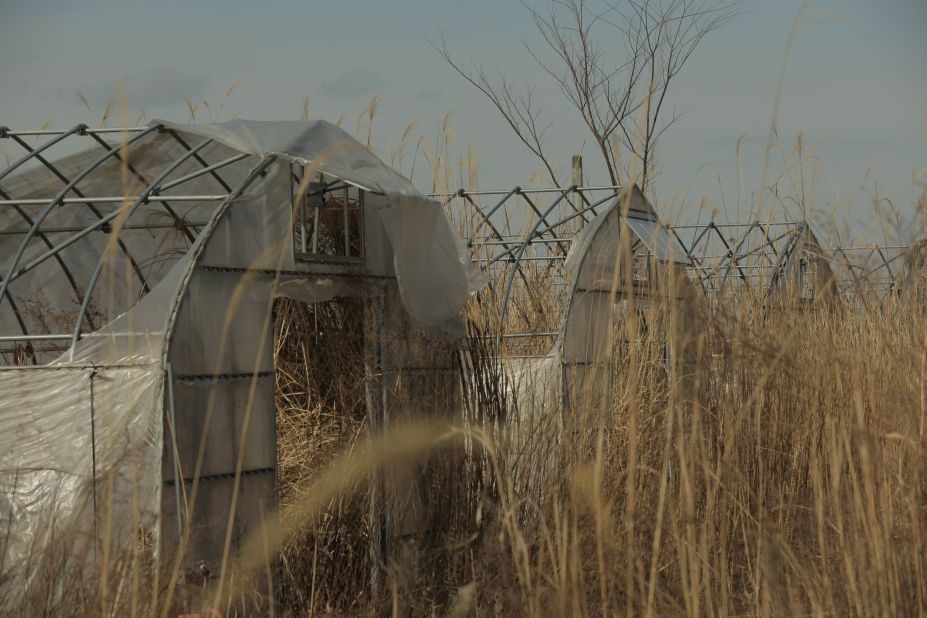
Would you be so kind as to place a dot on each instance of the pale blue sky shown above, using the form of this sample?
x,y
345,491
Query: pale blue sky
x,y
856,82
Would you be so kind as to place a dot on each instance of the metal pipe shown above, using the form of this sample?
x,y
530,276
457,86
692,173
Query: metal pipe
x,y
178,473
64,268
486,219
347,230
33,337
205,170
128,226
67,243
225,186
530,191
511,277
141,177
533,241
152,188
733,253
361,230
61,336
36,224
493,209
302,223
96,212
727,225
551,333
534,258
574,215
29,155
86,131
114,200
713,268
841,249
542,218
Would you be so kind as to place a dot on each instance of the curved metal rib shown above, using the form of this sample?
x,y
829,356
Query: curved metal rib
x,y
549,228
170,211
55,201
510,278
64,268
12,168
154,187
491,212
54,170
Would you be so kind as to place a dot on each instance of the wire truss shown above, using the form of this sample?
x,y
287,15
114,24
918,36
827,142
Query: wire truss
x,y
77,206
521,238
760,258
883,270
739,256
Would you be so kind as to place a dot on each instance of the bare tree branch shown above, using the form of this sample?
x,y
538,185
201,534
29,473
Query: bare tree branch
x,y
518,109
614,62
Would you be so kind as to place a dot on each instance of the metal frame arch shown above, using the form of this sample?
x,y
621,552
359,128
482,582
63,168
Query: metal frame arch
x,y
587,240
31,153
581,344
93,209
153,188
5,133
118,157
196,251
44,238
55,201
510,277
590,232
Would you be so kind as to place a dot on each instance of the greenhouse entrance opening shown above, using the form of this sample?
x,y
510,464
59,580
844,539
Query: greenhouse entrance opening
x,y
319,368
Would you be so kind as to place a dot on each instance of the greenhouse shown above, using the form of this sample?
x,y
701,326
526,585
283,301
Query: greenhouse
x,y
140,268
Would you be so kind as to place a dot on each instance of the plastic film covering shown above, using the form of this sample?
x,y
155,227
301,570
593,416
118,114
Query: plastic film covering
x,y
327,148
75,441
536,422
84,434
431,263
67,423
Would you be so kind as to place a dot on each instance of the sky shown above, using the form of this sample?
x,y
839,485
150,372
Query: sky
x,y
854,88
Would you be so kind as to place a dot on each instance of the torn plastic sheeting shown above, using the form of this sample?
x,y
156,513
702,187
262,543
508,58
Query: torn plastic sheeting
x,y
136,334
315,290
433,268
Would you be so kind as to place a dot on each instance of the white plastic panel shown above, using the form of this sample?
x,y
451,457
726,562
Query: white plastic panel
x,y
256,500
227,404
256,230
219,328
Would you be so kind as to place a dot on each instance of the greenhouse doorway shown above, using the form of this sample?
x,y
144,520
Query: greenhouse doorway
x,y
320,394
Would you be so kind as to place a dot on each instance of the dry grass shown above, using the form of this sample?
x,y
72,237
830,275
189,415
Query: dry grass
x,y
791,483
787,476
790,480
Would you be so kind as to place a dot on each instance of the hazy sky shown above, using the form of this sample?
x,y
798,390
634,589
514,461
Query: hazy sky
x,y
856,81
